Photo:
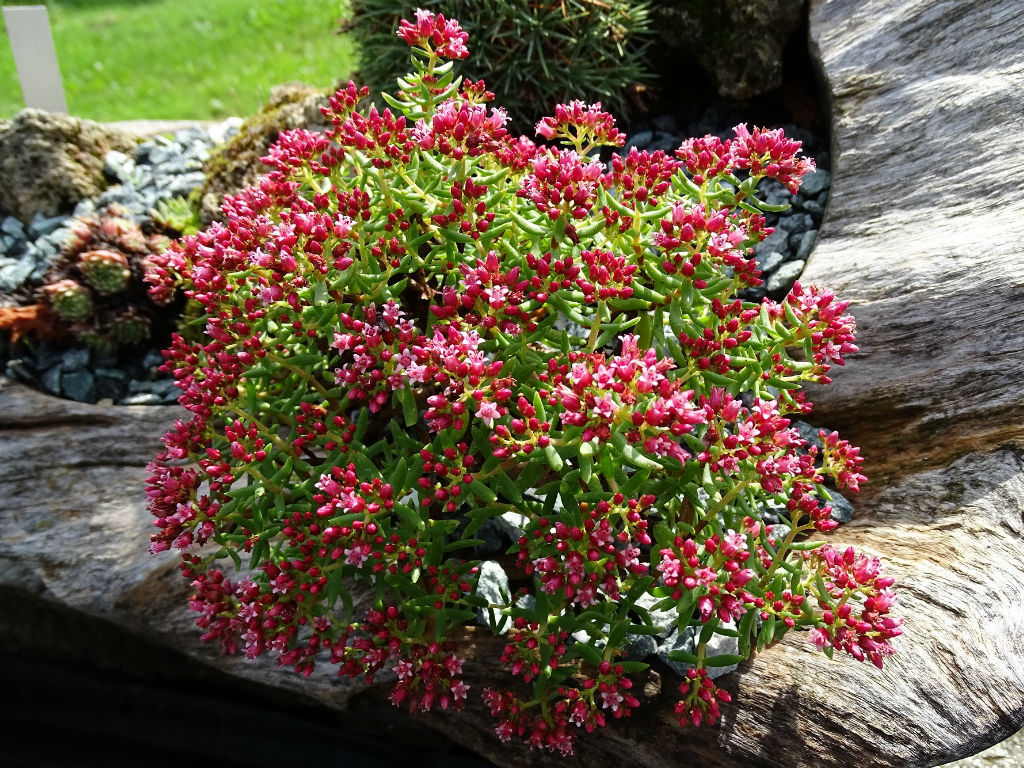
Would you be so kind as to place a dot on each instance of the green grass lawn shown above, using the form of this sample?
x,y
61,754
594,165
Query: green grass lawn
x,y
184,59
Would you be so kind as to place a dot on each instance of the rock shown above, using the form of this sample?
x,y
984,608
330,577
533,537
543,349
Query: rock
x,y
42,225
781,280
79,385
76,359
50,161
776,241
677,641
118,165
12,228
795,223
110,383
739,42
842,510
815,183
812,207
142,398
639,140
769,262
639,647
51,380
807,241
492,584
774,192
494,539
809,432
512,523
14,273
221,132
663,621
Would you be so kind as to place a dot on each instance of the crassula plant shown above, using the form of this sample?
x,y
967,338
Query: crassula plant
x,y
417,323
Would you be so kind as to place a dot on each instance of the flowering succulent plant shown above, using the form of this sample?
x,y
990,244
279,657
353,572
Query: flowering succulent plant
x,y
96,288
418,322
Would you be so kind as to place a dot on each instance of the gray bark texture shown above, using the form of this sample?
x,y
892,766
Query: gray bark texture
x,y
923,235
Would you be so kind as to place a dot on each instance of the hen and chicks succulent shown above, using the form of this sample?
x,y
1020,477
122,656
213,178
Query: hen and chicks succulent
x,y
96,288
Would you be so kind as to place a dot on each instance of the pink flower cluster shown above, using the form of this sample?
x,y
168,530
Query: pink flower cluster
x,y
702,696
714,571
631,390
763,152
586,707
819,317
435,33
585,124
588,564
692,235
563,185
854,581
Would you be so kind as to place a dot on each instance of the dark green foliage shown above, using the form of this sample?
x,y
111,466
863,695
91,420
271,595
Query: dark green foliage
x,y
532,54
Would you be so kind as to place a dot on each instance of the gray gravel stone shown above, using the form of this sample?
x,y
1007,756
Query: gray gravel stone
x,y
813,207
807,241
679,640
75,359
51,380
84,208
223,131
842,509
111,383
664,621
783,277
635,647
79,385
185,183
639,647
776,241
769,262
12,226
14,273
512,523
640,141
19,370
492,585
118,165
42,225
493,536
153,359
161,154
774,192
143,398
795,222
816,182
809,432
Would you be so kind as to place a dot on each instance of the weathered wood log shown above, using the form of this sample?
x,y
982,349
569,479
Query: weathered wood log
x,y
921,229
920,235
74,531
